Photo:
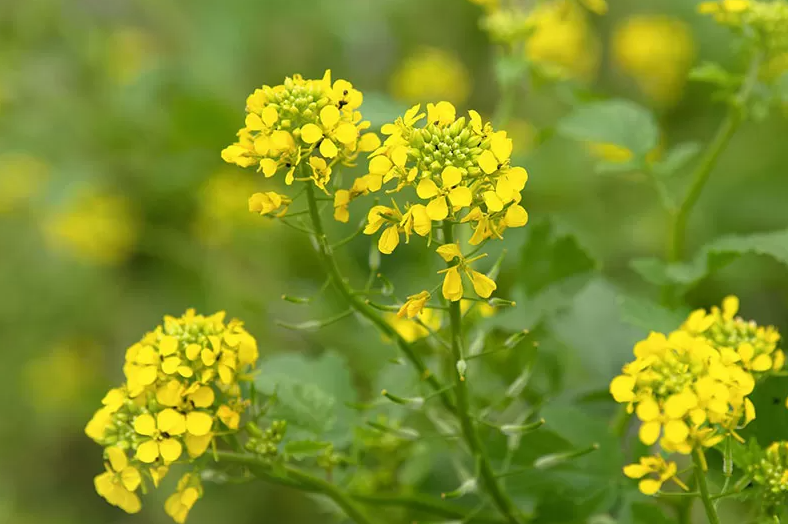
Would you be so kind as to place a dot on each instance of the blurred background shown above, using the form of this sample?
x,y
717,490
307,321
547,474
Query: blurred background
x,y
115,207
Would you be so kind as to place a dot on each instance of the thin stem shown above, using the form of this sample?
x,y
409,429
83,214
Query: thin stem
x,y
725,132
326,256
297,478
470,434
703,488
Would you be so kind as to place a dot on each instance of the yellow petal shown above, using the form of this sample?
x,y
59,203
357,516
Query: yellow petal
x,y
449,251
649,486
460,197
622,388
329,116
196,446
746,352
198,423
488,162
649,432
208,357
282,140
493,202
482,284
730,306
328,149
636,471
677,406
203,397
168,345
452,285
379,165
170,450
518,177
170,421
310,133
269,167
130,478
117,458
269,115
437,208
516,216
104,483
170,394
422,224
647,409
145,424
368,142
146,375
389,240
346,133
170,365
426,189
193,351
501,146
148,451
399,155
254,122
676,431
762,362
451,176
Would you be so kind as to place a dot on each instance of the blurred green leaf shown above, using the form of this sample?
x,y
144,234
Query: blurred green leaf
x,y
301,449
676,158
650,316
714,256
771,423
311,395
713,73
645,513
620,122
379,108
615,168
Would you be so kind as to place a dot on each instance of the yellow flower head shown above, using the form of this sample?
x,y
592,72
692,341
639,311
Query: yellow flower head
x,y
460,168
657,52
766,22
653,472
182,388
181,502
755,347
414,329
414,305
684,389
431,74
99,228
311,122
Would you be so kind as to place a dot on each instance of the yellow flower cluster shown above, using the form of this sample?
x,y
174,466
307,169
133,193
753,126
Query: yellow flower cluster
x,y
653,472
460,167
768,21
756,346
182,388
314,123
657,52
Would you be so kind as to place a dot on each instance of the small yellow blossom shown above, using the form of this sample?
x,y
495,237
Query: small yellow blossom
x,y
269,202
657,467
411,330
343,197
429,74
452,281
414,305
119,482
181,502
657,52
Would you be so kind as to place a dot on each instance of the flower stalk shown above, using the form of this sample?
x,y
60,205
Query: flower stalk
x,y
699,462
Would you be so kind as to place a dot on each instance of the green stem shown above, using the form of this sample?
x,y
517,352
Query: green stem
x,y
326,256
725,132
490,482
703,488
298,478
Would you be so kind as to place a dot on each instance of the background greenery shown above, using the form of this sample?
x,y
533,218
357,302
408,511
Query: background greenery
x,y
115,209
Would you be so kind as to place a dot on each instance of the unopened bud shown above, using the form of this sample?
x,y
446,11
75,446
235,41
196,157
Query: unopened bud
x,y
557,459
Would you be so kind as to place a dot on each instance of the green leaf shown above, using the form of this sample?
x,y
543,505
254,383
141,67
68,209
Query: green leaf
x,y
619,122
302,449
650,316
645,513
311,395
713,73
676,158
714,256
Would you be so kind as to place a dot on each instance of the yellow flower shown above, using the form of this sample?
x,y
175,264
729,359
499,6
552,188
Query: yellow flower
x,y
455,164
181,502
268,203
161,430
119,482
655,465
657,52
411,330
96,227
561,41
301,121
343,197
21,178
228,416
452,281
414,305
429,74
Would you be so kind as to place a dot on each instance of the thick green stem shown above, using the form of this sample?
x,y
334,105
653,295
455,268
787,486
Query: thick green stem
x,y
490,482
326,256
724,133
297,478
703,488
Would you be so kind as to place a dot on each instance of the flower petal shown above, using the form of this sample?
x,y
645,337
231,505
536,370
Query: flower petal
x,y
170,450
145,425
437,209
426,189
198,423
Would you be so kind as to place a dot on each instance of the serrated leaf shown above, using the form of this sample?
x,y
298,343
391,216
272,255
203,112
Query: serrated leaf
x,y
650,316
620,122
312,395
676,158
714,256
301,449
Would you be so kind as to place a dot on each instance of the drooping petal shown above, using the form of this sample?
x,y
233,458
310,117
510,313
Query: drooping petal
x,y
346,133
482,284
389,240
130,478
622,388
422,224
117,458
196,446
452,285
449,252
493,202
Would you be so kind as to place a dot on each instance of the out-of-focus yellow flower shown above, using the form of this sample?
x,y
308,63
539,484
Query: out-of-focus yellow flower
x,y
617,154
129,51
653,466
414,305
410,329
221,208
452,280
562,41
657,52
69,365
21,178
431,74
181,502
96,227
